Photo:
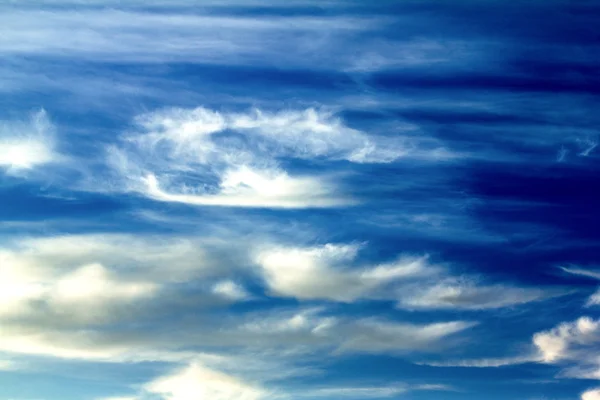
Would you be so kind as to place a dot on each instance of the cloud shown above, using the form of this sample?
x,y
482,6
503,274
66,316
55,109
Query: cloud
x,y
593,394
27,145
231,290
198,382
90,298
368,392
358,392
352,335
212,35
319,272
250,188
465,293
572,345
568,340
78,280
204,157
327,272
485,362
377,336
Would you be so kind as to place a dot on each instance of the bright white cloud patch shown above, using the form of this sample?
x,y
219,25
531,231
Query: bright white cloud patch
x,y
198,382
231,290
568,340
249,188
324,272
26,145
593,394
82,279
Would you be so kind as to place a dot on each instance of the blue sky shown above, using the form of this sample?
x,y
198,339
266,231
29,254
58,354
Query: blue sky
x,y
258,200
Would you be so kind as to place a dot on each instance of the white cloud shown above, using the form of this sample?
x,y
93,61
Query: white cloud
x,y
91,279
205,157
183,35
574,270
568,340
251,188
27,145
320,273
186,34
465,293
485,362
309,133
61,294
198,382
377,336
594,299
231,290
367,392
593,394
327,272
573,345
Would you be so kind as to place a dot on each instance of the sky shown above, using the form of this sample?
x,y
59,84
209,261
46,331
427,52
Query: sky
x,y
312,200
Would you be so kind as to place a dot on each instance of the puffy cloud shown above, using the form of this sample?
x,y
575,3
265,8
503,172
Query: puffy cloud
x,y
27,145
132,34
78,280
569,340
485,362
231,290
571,344
320,273
593,394
198,382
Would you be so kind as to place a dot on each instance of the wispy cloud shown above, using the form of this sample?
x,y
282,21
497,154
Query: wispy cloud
x,y
134,35
574,270
204,157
